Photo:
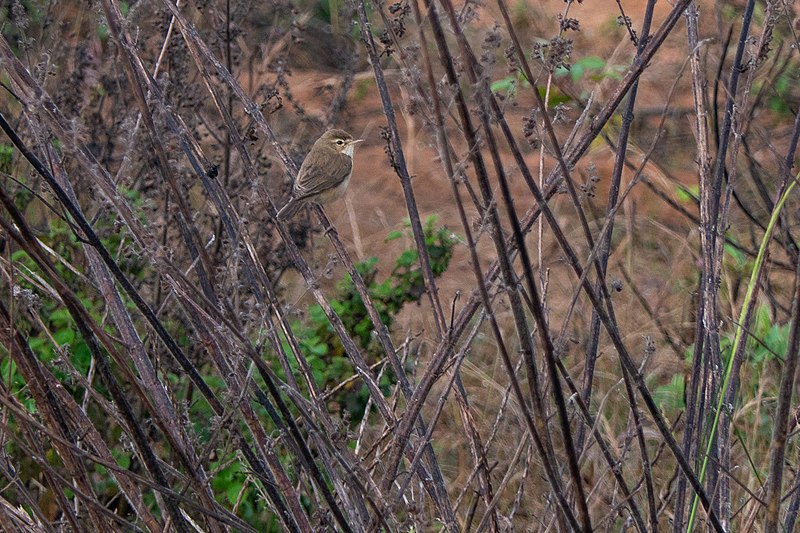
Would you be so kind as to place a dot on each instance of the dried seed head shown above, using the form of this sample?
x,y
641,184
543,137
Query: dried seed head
x,y
553,53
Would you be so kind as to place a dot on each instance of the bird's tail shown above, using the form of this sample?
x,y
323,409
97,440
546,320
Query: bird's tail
x,y
290,208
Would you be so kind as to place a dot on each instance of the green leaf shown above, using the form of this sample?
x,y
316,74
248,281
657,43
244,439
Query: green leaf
x,y
556,96
504,85
233,490
393,235
60,316
80,351
576,72
123,458
739,258
407,258
687,194
591,62
317,315
6,157
318,349
64,336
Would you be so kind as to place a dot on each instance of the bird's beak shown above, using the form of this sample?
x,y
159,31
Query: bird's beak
x,y
357,141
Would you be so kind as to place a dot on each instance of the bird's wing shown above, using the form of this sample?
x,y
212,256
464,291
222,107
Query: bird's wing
x,y
314,178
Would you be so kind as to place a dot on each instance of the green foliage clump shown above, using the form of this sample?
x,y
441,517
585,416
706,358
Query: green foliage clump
x,y
768,344
781,91
47,325
405,284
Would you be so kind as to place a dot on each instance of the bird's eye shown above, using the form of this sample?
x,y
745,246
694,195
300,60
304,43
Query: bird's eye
x,y
340,141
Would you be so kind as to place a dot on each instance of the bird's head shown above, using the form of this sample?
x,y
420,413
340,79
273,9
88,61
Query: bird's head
x,y
340,141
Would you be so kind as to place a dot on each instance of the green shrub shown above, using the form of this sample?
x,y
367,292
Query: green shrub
x,y
405,284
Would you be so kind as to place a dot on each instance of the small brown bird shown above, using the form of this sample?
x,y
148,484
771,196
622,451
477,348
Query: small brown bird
x,y
325,172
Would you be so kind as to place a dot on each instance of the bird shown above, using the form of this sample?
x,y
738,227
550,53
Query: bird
x,y
325,172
